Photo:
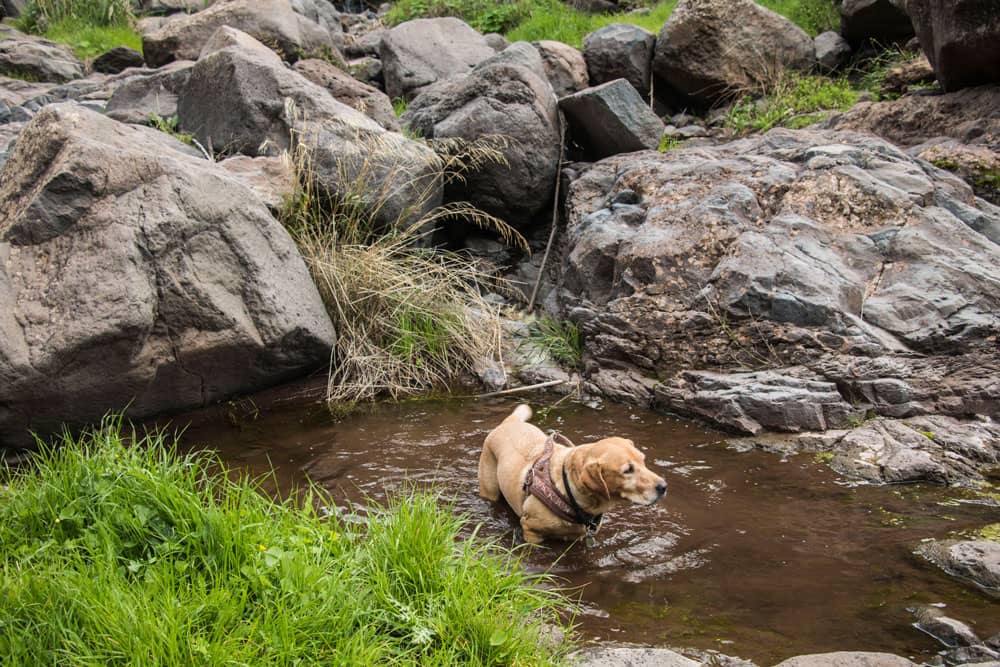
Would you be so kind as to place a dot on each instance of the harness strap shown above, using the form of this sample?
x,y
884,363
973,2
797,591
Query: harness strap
x,y
538,483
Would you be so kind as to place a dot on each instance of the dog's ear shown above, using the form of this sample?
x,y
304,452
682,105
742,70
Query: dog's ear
x,y
593,479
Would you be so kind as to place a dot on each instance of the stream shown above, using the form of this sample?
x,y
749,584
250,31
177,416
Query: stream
x,y
751,554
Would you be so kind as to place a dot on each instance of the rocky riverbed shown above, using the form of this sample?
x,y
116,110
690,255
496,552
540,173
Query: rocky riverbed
x,y
831,289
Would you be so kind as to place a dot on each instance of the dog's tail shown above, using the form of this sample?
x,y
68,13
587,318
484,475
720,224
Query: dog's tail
x,y
521,413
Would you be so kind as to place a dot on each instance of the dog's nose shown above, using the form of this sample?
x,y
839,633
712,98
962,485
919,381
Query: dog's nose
x,y
661,488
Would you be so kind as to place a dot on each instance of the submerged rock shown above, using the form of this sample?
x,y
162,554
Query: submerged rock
x,y
976,562
137,274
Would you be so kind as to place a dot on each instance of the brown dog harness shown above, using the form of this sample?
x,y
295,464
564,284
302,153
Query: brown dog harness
x,y
538,483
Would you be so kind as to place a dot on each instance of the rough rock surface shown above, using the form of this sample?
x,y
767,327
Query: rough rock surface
x,y
971,115
139,98
632,657
270,178
274,22
498,98
961,39
564,66
978,562
832,51
829,258
369,100
242,99
40,59
118,59
883,22
612,118
137,274
620,51
847,659
417,53
977,165
710,49
949,631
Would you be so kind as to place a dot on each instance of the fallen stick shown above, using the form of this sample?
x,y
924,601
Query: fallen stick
x,y
517,390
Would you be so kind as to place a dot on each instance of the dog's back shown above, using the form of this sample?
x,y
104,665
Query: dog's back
x,y
507,451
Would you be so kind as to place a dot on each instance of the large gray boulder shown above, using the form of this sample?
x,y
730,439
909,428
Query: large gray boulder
x,y
418,53
510,100
564,66
612,118
369,100
620,51
714,49
143,97
835,253
961,39
882,22
274,22
36,58
832,51
242,99
136,274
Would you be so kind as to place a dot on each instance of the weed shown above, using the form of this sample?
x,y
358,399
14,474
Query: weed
x,y
823,457
408,317
559,339
170,126
482,15
117,550
399,106
793,101
668,143
990,533
873,72
41,15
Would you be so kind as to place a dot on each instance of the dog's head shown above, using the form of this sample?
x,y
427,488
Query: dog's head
x,y
613,468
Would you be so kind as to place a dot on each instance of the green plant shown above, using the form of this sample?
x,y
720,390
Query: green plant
x,y
399,106
116,549
408,317
482,15
553,19
40,15
823,457
668,143
794,100
559,339
170,126
813,16
872,72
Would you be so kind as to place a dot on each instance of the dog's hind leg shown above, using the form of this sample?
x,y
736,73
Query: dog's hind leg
x,y
489,483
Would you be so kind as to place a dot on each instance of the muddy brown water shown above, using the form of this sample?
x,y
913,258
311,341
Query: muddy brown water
x,y
751,554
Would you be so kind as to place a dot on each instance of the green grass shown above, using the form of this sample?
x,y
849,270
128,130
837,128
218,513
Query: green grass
x,y
117,550
551,19
668,143
39,15
483,15
560,339
170,126
795,101
535,20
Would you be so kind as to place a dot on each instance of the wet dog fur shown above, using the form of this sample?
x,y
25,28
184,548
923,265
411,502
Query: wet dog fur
x,y
601,474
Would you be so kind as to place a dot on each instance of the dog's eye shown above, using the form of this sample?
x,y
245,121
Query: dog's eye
x,y
629,469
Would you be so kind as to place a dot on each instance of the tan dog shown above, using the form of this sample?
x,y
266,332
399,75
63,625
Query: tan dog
x,y
599,475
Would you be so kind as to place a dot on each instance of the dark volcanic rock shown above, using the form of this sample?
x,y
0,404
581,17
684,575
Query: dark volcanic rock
x,y
961,39
612,118
883,22
713,49
874,272
620,51
118,59
272,21
136,273
417,53
514,101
